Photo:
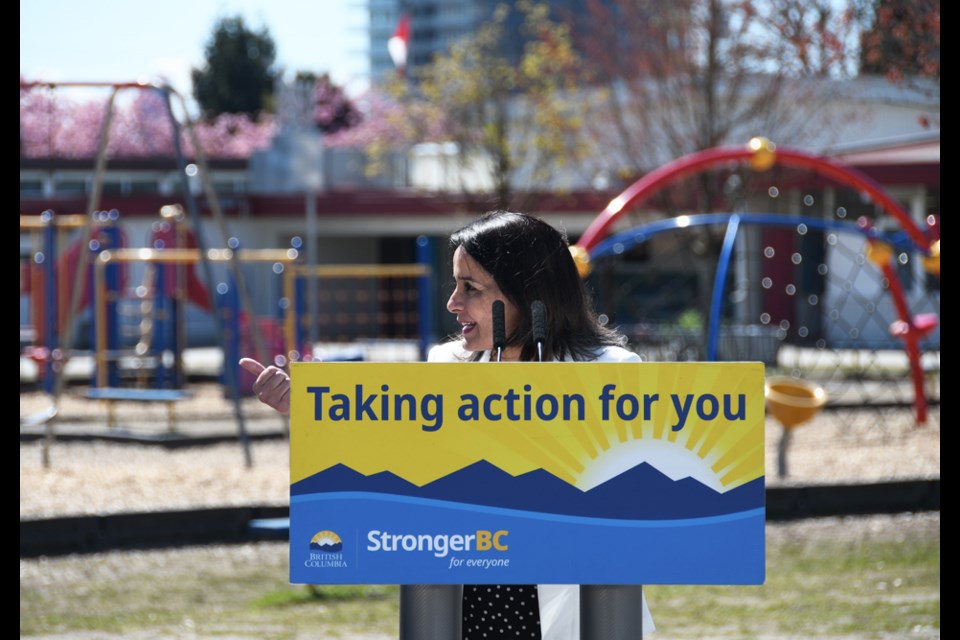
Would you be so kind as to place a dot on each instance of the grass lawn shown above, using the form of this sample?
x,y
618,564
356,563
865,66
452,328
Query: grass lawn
x,y
856,578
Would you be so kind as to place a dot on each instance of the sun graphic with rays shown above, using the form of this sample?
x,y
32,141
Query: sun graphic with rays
x,y
720,458
325,537
719,472
720,453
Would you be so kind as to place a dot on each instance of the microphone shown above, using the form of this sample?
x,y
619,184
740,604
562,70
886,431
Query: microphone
x,y
499,329
539,313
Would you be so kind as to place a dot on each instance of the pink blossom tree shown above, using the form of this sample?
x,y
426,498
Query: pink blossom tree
x,y
54,125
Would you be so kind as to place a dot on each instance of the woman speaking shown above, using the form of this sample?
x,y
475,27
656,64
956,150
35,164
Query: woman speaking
x,y
546,314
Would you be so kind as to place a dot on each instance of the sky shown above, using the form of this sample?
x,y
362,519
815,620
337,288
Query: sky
x,y
131,40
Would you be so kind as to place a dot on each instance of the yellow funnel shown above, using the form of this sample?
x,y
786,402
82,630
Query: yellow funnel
x,y
793,402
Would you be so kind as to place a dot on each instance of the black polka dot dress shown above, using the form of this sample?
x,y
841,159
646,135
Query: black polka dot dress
x,y
492,611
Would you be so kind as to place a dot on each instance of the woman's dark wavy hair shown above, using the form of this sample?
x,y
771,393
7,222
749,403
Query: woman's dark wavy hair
x,y
530,260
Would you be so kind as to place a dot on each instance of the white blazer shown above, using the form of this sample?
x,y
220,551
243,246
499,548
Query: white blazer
x,y
559,603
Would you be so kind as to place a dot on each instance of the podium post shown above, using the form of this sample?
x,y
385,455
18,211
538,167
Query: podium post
x,y
430,611
611,612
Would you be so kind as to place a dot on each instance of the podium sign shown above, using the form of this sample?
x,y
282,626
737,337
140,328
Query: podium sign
x,y
587,473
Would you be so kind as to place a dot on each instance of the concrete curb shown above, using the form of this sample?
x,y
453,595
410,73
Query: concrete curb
x,y
230,525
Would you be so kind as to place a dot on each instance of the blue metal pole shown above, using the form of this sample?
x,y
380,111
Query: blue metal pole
x,y
290,352
286,306
229,306
300,309
716,304
425,296
221,309
94,247
174,372
161,322
51,338
110,239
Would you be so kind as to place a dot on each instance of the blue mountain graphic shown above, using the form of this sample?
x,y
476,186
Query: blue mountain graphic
x,y
640,493
342,478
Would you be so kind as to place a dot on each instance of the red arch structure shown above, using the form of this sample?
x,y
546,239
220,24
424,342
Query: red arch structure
x,y
761,155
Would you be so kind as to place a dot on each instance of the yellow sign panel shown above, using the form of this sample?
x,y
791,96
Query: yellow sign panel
x,y
577,421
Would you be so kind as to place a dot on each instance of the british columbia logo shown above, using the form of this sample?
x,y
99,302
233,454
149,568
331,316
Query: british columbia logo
x,y
326,542
326,551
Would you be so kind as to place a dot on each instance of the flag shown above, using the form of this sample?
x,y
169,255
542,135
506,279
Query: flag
x,y
399,43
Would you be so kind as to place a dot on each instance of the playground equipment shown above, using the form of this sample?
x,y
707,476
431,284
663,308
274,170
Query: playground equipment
x,y
830,270
106,352
137,330
168,95
145,365
792,402
51,267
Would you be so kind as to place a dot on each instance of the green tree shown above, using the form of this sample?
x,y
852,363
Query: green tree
x,y
239,73
512,123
